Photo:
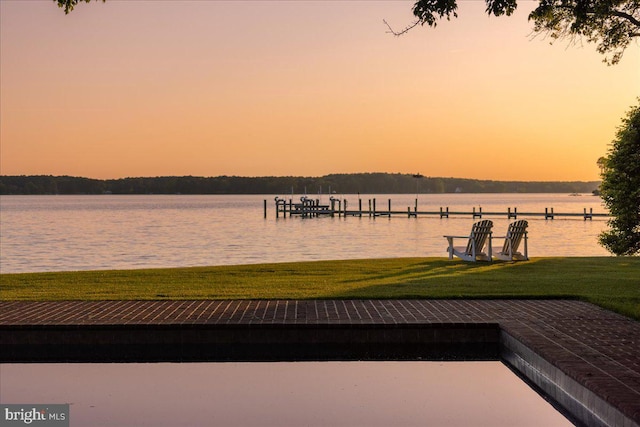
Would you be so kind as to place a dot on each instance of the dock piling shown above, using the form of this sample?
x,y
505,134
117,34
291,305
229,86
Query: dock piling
x,y
588,216
548,214
312,208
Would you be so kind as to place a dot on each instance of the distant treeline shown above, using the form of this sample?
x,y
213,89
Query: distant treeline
x,y
366,183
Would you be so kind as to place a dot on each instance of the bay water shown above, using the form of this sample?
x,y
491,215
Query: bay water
x,y
66,233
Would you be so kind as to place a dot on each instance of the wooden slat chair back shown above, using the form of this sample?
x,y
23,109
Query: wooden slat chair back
x,y
516,233
479,234
479,238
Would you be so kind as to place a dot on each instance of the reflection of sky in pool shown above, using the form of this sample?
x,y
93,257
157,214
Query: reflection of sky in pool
x,y
282,394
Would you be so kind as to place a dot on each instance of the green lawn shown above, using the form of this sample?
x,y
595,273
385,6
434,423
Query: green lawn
x,y
613,283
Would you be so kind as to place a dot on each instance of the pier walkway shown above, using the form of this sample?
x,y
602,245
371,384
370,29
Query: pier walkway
x,y
584,358
310,208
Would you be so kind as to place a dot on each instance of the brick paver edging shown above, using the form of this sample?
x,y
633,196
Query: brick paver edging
x,y
587,359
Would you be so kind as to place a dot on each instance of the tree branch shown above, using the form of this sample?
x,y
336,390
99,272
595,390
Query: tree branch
x,y
626,16
399,33
632,19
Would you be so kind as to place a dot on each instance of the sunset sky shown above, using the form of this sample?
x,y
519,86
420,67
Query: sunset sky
x,y
253,88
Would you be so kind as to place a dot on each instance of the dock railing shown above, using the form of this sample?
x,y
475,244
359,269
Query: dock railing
x,y
310,208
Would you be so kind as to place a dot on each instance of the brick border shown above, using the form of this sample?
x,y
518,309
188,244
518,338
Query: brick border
x,y
586,358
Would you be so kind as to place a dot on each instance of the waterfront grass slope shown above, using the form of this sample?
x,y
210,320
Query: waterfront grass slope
x,y
612,283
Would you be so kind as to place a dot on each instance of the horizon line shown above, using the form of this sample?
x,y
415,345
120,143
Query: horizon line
x,y
413,175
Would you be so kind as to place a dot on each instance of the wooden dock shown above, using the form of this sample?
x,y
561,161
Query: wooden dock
x,y
310,208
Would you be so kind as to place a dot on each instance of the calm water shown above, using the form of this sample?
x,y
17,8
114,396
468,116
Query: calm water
x,y
57,233
54,233
283,394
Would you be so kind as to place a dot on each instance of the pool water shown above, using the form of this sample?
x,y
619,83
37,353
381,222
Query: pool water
x,y
282,394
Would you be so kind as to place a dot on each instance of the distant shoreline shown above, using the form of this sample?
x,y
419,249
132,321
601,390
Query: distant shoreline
x,y
363,183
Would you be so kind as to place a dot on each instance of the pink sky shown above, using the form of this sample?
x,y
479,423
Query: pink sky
x,y
212,88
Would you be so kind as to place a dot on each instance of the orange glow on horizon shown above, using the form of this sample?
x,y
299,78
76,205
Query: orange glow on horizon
x,y
260,88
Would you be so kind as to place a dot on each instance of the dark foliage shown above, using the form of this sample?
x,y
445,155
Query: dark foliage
x,y
610,24
365,183
620,189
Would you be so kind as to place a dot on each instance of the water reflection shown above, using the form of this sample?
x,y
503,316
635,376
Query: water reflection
x,y
57,233
282,394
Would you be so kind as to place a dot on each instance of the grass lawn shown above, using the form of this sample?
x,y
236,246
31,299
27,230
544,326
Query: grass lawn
x,y
613,283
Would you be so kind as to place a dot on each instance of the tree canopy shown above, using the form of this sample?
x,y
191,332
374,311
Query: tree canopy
x,y
620,188
68,5
611,24
365,183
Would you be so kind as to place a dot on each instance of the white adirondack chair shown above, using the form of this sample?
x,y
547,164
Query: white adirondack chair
x,y
473,251
515,234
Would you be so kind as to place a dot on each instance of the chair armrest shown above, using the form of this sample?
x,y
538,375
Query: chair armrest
x,y
457,237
